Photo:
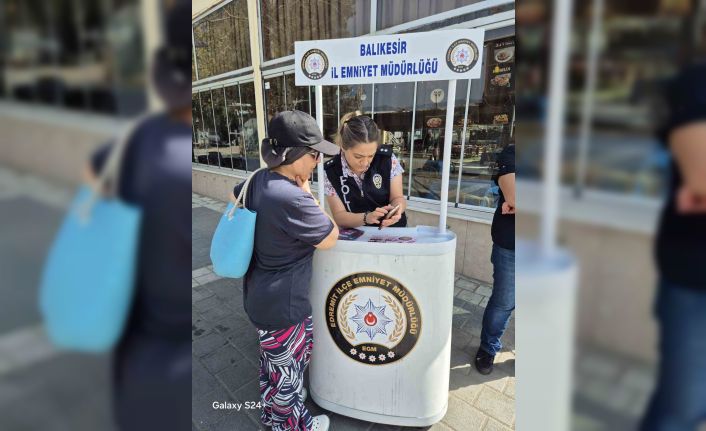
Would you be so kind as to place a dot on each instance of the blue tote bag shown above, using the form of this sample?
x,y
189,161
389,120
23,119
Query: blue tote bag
x,y
233,241
88,280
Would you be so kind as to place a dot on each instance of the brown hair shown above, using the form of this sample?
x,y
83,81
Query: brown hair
x,y
355,129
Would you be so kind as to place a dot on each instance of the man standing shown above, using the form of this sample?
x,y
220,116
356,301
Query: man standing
x,y
679,401
502,300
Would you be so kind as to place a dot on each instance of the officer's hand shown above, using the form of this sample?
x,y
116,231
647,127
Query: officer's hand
x,y
374,217
392,220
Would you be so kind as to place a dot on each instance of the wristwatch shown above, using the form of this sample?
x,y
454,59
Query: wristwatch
x,y
365,218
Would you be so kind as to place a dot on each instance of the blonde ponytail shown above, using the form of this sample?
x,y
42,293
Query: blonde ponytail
x,y
354,129
338,138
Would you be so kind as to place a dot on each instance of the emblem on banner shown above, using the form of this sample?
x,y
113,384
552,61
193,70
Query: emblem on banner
x,y
462,55
314,64
372,318
377,181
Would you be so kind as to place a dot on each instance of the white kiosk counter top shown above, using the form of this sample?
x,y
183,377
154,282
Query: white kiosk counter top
x,y
382,316
406,240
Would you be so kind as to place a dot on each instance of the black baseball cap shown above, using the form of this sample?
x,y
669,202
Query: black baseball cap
x,y
298,129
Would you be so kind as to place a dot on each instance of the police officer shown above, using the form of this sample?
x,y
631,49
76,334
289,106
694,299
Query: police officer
x,y
364,182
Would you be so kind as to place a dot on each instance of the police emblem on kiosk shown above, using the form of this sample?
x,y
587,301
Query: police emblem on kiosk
x,y
373,318
462,55
314,64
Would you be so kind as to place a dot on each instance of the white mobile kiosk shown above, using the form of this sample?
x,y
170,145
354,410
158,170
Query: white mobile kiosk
x,y
382,303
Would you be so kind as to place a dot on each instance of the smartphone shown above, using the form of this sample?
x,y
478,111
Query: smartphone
x,y
389,215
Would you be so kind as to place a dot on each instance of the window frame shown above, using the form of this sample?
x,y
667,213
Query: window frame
x,y
502,25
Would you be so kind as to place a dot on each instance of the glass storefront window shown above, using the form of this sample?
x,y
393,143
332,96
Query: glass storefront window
x,y
490,113
232,141
197,123
249,121
426,161
209,138
78,55
234,128
641,44
331,111
298,98
222,40
221,141
356,97
393,115
284,22
489,125
394,12
639,51
274,96
485,112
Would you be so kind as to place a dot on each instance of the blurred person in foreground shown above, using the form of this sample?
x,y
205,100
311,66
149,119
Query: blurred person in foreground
x,y
679,400
290,226
151,364
502,299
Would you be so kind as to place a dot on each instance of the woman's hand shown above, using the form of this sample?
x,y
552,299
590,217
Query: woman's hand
x,y
374,217
304,184
392,220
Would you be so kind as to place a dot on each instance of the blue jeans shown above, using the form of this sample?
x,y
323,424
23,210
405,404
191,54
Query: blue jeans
x,y
679,401
502,300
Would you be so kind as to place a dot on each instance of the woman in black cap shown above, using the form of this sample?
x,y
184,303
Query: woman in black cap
x,y
364,182
290,226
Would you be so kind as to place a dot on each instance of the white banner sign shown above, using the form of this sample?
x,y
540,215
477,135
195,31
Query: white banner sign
x,y
430,56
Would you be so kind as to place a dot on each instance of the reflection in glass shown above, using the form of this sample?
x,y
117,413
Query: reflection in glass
x,y
427,153
394,12
284,22
274,96
221,136
329,96
299,98
356,97
222,40
488,127
249,121
209,138
330,103
393,115
204,125
490,124
77,55
235,128
197,122
641,44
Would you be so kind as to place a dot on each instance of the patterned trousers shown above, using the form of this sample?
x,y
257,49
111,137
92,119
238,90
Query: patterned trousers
x,y
284,356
